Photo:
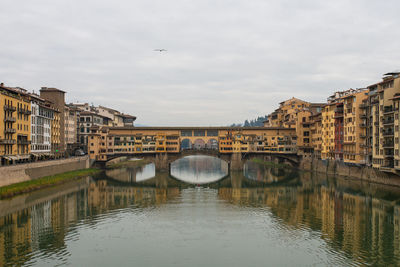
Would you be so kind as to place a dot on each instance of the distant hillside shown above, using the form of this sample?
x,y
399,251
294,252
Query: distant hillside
x,y
259,122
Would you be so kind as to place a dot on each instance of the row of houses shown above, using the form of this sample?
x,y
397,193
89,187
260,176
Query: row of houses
x,y
38,126
356,126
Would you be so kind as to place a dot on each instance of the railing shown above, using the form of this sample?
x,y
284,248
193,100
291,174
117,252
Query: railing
x,y
10,119
24,111
9,108
388,109
388,133
390,121
10,130
24,142
388,145
7,142
363,106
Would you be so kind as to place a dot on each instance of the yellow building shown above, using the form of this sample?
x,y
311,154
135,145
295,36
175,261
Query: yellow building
x,y
56,133
354,128
286,115
316,134
15,110
328,132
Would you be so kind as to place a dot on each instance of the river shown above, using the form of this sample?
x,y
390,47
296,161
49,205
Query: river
x,y
200,214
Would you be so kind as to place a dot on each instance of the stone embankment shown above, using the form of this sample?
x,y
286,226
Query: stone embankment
x,y
31,171
337,168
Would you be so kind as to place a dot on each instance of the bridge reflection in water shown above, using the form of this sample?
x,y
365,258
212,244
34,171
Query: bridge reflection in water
x,y
359,222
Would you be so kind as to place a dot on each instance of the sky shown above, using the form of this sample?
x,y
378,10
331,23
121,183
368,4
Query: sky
x,y
227,60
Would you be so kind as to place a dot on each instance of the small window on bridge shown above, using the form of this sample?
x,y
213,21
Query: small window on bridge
x,y
186,133
212,132
199,133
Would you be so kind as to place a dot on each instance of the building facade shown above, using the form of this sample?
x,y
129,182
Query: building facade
x,y
15,116
57,97
41,126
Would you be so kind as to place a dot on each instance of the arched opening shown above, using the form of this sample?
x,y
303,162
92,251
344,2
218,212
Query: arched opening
x,y
212,144
186,144
199,144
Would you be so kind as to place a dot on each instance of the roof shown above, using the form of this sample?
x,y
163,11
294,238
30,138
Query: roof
x,y
51,89
198,128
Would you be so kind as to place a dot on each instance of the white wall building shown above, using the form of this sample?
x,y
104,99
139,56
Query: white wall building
x,y
41,118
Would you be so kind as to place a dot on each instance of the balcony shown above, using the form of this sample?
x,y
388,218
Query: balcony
x,y
338,115
388,121
10,119
388,144
24,142
363,125
9,108
10,131
388,133
363,136
363,116
363,106
24,111
388,110
7,142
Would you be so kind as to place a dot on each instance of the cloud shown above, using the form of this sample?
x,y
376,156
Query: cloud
x,y
227,60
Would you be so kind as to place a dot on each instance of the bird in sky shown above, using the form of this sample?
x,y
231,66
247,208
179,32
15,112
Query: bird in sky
x,y
160,50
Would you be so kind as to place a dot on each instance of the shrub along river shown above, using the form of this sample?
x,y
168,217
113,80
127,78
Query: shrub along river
x,y
202,215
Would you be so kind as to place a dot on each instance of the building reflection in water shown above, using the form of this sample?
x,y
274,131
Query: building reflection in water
x,y
362,220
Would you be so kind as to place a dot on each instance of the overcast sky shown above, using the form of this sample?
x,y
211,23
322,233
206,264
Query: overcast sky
x,y
227,60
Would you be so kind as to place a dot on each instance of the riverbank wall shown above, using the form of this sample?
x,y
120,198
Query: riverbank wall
x,y
338,168
31,171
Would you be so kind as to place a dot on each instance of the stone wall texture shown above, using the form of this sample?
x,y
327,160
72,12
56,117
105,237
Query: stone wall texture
x,y
30,171
331,167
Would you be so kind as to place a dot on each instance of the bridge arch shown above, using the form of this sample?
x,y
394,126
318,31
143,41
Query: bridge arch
x,y
212,144
199,144
186,144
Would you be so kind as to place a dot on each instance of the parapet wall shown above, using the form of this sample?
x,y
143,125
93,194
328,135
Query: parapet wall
x,y
332,167
30,171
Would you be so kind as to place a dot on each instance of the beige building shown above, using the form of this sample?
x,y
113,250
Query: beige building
x,y
71,117
354,128
57,97
384,135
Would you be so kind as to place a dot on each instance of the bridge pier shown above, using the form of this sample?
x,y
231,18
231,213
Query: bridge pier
x,y
161,162
236,162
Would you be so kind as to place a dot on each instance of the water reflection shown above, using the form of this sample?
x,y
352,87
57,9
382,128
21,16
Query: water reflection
x,y
266,174
133,174
199,169
302,218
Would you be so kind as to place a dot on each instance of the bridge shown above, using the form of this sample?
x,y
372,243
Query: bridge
x,y
166,144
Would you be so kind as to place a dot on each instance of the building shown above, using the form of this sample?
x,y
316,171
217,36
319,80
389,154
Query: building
x,y
71,118
15,116
383,135
88,119
316,134
41,126
56,143
109,141
57,97
344,127
354,127
286,115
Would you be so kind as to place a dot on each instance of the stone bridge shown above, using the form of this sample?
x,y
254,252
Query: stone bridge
x,y
236,161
